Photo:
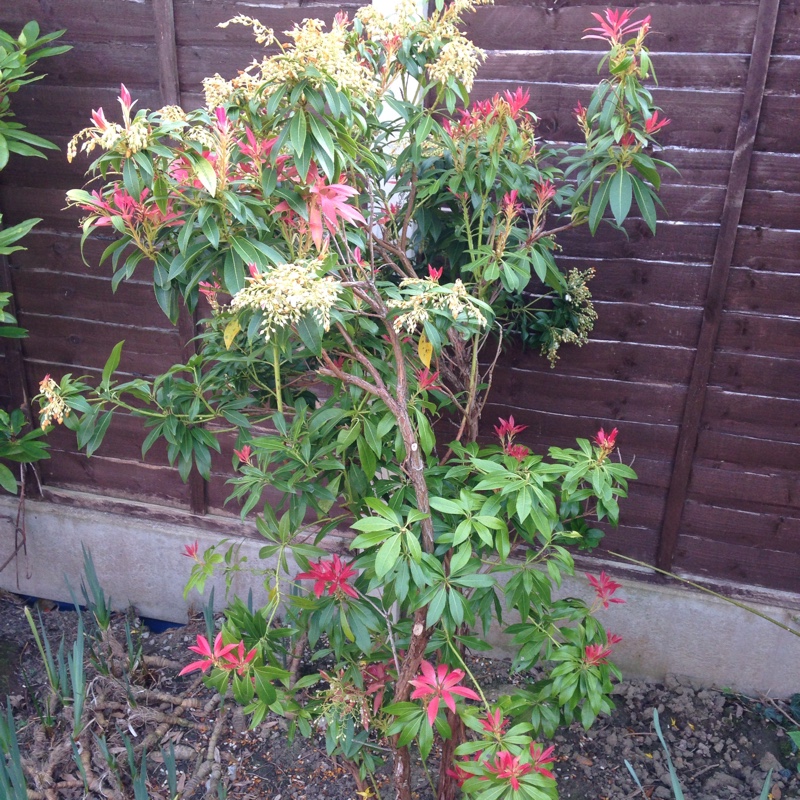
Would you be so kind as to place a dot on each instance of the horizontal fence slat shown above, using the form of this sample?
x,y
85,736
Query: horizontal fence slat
x,y
777,172
662,325
617,400
744,528
746,489
103,65
684,28
675,70
117,21
755,290
126,479
747,452
775,569
769,249
637,281
604,359
760,334
787,30
674,242
763,375
769,208
83,343
639,543
743,414
87,297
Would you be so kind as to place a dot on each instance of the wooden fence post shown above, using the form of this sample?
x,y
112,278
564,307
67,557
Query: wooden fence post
x,y
169,81
718,280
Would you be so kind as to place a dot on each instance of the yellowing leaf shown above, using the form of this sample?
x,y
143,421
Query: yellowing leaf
x,y
424,350
231,329
206,175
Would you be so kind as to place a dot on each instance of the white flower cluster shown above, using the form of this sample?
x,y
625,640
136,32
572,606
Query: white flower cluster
x,y
404,18
172,114
217,90
583,315
55,408
430,296
459,59
287,293
113,137
312,53
262,33
203,136
137,136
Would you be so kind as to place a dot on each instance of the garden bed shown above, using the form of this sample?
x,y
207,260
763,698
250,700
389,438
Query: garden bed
x,y
722,744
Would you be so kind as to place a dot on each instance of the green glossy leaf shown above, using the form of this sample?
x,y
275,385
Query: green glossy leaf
x,y
7,480
373,524
310,333
365,540
620,195
645,202
297,134
599,204
205,174
111,364
243,689
387,555
446,506
436,607
9,236
264,689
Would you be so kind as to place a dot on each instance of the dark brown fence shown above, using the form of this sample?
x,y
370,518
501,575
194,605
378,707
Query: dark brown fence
x,y
694,357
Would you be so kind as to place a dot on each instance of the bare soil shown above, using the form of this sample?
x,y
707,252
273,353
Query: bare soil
x,y
722,745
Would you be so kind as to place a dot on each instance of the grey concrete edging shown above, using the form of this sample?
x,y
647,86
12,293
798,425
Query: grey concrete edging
x,y
140,562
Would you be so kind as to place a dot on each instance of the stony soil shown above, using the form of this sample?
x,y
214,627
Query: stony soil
x,y
722,745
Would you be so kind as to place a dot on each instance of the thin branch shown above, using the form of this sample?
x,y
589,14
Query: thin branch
x,y
488,376
382,244
544,233
330,370
412,195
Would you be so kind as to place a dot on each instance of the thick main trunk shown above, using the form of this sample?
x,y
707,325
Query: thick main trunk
x,y
447,784
410,668
402,774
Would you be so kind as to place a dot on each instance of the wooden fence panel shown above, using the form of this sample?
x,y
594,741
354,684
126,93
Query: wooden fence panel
x,y
743,491
694,356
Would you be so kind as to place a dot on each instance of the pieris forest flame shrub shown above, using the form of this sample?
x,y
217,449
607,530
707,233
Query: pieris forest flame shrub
x,y
363,240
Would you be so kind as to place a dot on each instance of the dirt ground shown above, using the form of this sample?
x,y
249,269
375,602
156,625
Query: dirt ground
x,y
722,745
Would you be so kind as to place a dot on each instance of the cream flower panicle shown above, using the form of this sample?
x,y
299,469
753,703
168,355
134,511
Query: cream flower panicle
x,y
403,20
313,55
130,139
287,293
263,34
172,114
455,55
55,409
427,295
579,299
218,92
459,59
